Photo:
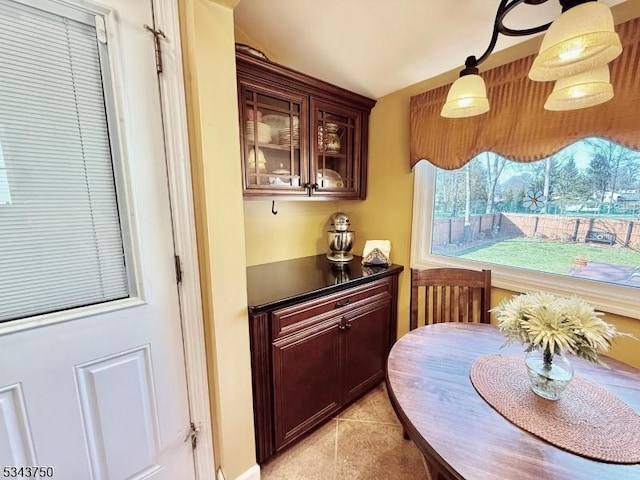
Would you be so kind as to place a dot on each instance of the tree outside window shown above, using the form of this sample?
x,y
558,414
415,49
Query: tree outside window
x,y
576,213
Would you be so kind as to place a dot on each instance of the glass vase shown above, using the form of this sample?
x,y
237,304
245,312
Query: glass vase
x,y
549,373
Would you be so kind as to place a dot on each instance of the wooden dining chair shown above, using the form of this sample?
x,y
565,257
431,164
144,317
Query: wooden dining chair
x,y
450,295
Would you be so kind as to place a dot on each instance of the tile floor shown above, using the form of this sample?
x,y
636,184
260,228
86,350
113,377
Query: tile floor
x,y
364,442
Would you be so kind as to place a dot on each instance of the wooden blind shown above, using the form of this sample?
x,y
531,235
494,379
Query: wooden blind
x,y
517,126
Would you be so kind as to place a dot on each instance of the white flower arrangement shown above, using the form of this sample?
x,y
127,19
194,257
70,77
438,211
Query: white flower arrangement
x,y
554,324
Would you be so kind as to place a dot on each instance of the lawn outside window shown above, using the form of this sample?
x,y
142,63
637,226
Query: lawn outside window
x,y
569,224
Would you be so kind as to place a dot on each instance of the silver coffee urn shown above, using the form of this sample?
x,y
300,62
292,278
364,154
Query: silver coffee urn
x,y
340,239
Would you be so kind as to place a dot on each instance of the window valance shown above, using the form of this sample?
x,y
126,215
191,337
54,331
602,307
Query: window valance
x,y
517,126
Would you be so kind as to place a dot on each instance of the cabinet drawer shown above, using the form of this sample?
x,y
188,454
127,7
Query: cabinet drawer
x,y
291,319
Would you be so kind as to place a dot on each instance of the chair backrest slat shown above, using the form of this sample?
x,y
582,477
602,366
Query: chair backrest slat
x,y
451,295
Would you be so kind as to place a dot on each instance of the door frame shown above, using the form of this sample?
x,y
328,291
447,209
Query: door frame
x,y
173,104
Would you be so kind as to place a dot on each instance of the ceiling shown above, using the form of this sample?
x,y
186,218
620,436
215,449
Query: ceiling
x,y
375,47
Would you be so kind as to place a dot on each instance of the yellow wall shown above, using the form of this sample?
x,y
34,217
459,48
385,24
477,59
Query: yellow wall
x,y
298,230
209,56
223,218
388,208
386,213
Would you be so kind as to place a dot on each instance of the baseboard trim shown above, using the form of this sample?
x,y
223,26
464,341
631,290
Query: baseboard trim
x,y
252,474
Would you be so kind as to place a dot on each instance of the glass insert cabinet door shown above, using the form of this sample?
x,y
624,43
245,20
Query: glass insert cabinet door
x,y
274,139
335,149
298,145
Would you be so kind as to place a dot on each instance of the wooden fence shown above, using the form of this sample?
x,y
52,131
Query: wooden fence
x,y
576,229
451,231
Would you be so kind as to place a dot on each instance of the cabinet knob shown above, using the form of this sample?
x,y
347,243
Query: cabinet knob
x,y
347,325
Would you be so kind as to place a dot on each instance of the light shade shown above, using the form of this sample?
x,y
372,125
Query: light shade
x,y
467,97
580,91
581,39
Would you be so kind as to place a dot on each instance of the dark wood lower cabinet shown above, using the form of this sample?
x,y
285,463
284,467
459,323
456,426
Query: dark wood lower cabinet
x,y
312,359
302,399
365,349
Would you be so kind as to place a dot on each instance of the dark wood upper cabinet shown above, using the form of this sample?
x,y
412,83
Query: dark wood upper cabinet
x,y
299,136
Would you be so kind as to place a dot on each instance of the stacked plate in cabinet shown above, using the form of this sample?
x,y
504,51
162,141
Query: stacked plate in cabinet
x,y
281,131
279,122
263,132
286,138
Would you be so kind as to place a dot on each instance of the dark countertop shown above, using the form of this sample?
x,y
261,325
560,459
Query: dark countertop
x,y
278,284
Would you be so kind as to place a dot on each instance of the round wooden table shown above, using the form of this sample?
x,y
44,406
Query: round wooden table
x,y
462,436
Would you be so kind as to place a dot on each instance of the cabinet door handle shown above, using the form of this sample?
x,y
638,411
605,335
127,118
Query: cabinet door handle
x,y
343,303
344,326
315,186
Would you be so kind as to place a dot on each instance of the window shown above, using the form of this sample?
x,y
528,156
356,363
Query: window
x,y
569,222
61,243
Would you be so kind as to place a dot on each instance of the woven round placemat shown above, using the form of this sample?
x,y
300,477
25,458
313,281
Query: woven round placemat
x,y
586,420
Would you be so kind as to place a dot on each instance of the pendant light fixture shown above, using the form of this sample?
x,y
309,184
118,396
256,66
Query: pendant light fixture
x,y
580,40
467,96
583,90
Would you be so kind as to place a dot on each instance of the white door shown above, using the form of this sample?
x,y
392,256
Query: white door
x,y
97,389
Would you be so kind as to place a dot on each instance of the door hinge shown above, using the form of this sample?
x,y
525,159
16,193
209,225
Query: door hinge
x,y
193,435
178,265
157,35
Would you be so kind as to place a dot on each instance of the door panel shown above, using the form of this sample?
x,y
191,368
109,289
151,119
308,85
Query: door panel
x,y
280,140
16,446
301,400
366,343
103,395
336,158
118,403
